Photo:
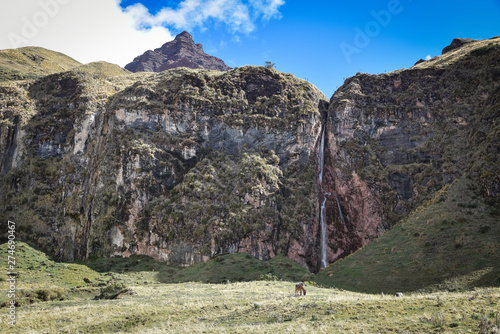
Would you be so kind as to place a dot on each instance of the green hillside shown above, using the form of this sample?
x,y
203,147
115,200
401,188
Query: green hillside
x,y
221,269
32,62
37,270
40,278
450,243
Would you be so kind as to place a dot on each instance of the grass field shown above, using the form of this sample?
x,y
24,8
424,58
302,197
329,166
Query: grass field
x,y
60,298
262,307
230,267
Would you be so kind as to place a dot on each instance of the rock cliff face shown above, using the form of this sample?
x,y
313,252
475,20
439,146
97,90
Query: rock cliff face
x,y
394,139
180,166
181,52
187,164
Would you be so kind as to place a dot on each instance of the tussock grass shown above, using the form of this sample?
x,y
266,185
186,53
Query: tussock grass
x,y
455,55
32,62
103,69
230,308
237,268
151,306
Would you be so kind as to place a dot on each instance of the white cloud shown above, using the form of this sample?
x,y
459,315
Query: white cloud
x,y
89,30
428,57
268,8
236,14
93,30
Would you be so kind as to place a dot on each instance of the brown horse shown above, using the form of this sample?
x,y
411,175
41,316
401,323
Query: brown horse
x,y
300,288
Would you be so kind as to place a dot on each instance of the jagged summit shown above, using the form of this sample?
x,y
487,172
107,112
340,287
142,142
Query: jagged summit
x,y
456,43
184,35
181,52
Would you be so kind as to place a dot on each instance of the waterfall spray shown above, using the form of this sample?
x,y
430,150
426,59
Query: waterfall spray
x,y
323,232
340,210
322,155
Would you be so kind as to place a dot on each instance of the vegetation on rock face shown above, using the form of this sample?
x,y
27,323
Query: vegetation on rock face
x,y
222,197
421,129
233,185
106,162
244,96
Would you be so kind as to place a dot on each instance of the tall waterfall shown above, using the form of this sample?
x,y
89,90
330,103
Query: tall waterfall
x,y
322,155
323,257
323,204
323,232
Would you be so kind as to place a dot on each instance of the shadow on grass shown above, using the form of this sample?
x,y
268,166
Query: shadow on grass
x,y
230,267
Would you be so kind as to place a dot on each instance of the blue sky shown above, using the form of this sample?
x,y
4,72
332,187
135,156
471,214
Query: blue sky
x,y
321,41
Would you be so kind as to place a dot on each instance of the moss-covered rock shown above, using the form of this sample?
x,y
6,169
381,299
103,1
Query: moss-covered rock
x,y
181,165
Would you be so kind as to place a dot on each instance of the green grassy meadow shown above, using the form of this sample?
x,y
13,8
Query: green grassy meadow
x,y
262,307
60,298
444,257
32,62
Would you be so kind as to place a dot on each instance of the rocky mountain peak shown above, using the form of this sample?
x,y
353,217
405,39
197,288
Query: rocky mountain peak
x,y
180,52
184,36
456,43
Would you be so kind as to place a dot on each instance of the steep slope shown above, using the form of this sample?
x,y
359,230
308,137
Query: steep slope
x,y
403,136
32,62
449,243
181,166
181,52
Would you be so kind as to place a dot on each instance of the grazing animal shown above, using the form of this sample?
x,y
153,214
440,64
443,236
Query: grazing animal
x,y
300,289
399,294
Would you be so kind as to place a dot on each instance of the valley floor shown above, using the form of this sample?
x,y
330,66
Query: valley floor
x,y
261,307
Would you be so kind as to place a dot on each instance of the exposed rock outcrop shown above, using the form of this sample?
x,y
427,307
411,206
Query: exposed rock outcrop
x,y
181,165
394,139
456,43
181,52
